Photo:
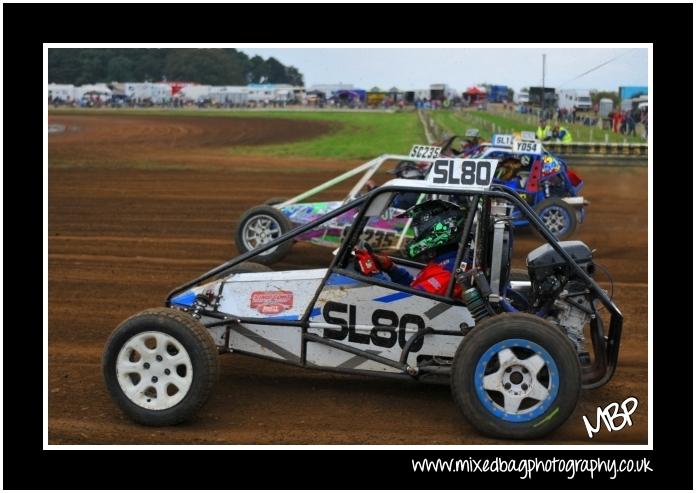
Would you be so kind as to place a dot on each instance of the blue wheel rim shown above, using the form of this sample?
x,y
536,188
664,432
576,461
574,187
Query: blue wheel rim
x,y
556,218
534,401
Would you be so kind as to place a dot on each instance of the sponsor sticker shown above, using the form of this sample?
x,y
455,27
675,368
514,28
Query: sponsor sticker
x,y
271,302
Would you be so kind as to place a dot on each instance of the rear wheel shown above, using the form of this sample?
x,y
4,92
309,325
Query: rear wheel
x,y
275,201
246,267
160,366
259,226
558,216
516,376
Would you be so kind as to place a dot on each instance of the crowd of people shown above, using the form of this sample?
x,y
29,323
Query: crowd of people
x,y
620,122
624,122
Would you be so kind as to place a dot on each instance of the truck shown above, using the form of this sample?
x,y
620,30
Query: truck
x,y
442,92
549,96
630,92
521,97
570,99
498,94
634,104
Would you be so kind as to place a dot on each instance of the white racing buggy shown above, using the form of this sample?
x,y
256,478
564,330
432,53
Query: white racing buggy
x,y
511,343
264,223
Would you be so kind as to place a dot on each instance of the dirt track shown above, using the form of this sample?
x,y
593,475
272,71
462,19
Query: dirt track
x,y
120,240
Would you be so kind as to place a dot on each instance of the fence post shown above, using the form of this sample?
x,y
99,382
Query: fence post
x,y
606,138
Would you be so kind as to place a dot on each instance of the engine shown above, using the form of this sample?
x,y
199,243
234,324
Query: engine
x,y
559,292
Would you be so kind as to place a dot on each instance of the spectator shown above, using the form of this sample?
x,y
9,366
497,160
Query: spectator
x,y
644,121
630,124
616,119
624,115
543,130
561,134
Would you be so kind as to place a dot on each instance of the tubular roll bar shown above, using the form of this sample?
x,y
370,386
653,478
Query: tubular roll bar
x,y
281,239
369,167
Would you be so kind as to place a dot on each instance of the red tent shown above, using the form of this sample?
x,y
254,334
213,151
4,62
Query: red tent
x,y
474,95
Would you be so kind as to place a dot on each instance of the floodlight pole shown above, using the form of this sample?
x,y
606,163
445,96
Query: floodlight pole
x,y
543,82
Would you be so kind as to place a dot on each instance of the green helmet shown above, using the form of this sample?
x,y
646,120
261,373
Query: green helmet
x,y
436,223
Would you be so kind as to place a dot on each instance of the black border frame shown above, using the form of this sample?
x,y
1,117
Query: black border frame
x,y
668,27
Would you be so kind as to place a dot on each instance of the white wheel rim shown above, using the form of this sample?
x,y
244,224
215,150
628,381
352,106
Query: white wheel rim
x,y
154,370
555,220
260,230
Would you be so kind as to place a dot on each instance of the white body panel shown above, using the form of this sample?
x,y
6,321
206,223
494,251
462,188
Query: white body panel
x,y
270,341
372,318
279,295
379,320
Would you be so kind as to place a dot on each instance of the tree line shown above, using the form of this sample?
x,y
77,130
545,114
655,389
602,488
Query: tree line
x,y
213,66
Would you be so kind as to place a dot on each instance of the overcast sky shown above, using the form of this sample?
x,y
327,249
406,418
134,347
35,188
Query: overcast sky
x,y
417,68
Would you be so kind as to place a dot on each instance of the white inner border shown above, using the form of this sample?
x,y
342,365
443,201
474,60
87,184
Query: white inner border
x,y
649,446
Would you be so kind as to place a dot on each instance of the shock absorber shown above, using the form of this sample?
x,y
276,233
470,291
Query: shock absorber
x,y
476,304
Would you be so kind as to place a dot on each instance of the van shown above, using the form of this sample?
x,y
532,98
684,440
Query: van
x,y
570,99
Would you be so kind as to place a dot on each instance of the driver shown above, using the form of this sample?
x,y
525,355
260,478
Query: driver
x,y
438,226
472,141
409,170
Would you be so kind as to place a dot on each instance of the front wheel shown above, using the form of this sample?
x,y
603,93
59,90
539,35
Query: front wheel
x,y
159,366
259,226
516,376
558,216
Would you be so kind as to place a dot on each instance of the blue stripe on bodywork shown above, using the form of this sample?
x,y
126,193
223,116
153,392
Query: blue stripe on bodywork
x,y
185,299
284,317
338,279
392,297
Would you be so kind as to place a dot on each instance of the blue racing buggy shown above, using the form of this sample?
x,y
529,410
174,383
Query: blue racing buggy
x,y
541,178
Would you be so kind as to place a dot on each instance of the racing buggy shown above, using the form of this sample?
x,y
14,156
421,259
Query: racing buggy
x,y
540,177
516,346
265,223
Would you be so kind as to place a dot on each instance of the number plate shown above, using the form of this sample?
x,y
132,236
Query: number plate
x,y
463,173
526,147
502,140
527,135
425,152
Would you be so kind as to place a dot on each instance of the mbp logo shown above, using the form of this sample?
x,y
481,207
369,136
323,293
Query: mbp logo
x,y
610,414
